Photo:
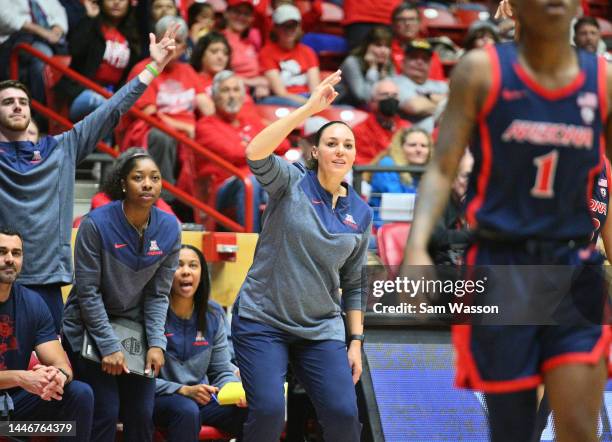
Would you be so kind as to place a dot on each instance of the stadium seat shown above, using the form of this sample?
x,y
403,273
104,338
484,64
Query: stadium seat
x,y
391,239
600,8
439,22
352,117
50,78
331,20
466,15
605,26
206,434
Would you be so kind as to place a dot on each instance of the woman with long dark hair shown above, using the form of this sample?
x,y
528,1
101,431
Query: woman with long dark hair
x,y
197,357
125,256
367,64
104,46
307,269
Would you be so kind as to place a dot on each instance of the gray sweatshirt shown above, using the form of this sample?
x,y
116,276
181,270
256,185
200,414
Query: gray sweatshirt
x,y
117,274
37,187
194,358
306,253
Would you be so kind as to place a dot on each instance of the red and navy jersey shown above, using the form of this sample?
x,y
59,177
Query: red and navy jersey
x,y
538,152
599,201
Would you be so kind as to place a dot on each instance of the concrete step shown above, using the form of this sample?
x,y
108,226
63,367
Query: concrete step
x,y
84,190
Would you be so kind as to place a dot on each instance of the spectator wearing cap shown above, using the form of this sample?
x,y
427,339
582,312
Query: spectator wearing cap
x,y
40,23
291,67
246,43
366,65
310,18
480,34
587,36
420,97
406,24
227,133
374,134
173,98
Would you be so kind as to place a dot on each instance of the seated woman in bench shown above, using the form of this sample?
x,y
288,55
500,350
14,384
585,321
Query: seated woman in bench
x,y
197,358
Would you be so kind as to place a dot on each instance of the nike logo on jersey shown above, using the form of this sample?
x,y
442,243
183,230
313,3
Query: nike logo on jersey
x,y
120,246
317,202
510,95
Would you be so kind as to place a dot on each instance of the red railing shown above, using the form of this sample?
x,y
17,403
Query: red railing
x,y
197,148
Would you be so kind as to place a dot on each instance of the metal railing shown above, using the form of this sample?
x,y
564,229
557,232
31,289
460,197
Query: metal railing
x,y
191,144
358,172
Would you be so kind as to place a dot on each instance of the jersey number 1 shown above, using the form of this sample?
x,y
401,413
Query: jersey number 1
x,y
545,175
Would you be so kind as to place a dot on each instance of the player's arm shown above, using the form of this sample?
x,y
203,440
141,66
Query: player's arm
x,y
470,82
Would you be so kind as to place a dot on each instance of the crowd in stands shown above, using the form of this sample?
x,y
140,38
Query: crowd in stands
x,y
392,68
210,88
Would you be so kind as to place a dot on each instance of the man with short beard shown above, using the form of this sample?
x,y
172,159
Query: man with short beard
x,y
374,134
47,392
227,133
37,179
587,36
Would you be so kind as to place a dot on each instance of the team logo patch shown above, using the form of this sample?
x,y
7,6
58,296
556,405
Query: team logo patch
x,y
154,248
588,103
36,157
349,221
200,340
132,346
603,182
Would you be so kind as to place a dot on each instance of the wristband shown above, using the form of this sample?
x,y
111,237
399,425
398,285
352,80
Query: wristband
x,y
149,67
360,338
62,371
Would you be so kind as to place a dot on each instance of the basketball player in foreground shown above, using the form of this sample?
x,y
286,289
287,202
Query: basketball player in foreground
x,y
536,113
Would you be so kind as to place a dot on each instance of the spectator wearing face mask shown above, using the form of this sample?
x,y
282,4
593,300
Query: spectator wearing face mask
x,y
375,133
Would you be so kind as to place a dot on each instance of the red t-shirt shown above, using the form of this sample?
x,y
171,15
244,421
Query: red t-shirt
x,y
116,57
436,70
207,82
173,92
292,65
229,142
369,11
244,53
371,138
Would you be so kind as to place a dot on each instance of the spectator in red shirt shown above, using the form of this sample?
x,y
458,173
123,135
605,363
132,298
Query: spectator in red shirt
x,y
310,18
406,23
104,47
227,133
374,134
173,97
245,41
291,67
211,55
